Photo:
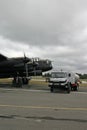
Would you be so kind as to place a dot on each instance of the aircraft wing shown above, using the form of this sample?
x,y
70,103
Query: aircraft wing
x,y
2,57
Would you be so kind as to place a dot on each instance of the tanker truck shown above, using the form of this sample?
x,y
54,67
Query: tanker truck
x,y
63,80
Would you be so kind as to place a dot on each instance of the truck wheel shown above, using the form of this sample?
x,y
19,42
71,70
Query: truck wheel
x,y
69,88
51,89
76,88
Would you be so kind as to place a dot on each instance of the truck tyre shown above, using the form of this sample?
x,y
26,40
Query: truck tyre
x,y
51,89
69,88
76,88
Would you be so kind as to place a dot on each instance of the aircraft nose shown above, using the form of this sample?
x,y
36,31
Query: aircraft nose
x,y
49,64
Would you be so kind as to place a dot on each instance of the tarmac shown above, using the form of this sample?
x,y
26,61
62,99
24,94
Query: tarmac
x,y
35,107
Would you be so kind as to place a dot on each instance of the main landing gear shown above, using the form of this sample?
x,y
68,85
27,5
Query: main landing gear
x,y
19,81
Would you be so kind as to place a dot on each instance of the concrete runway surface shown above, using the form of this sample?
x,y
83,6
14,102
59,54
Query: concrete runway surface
x,y
30,109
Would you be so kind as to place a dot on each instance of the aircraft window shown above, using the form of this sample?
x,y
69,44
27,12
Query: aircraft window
x,y
48,62
35,59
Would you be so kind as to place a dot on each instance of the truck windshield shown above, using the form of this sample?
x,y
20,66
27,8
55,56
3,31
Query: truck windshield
x,y
58,75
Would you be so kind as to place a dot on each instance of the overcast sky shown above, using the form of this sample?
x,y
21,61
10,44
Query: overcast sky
x,y
53,29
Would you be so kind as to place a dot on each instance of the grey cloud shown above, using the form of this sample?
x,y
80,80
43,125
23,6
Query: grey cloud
x,y
55,29
39,22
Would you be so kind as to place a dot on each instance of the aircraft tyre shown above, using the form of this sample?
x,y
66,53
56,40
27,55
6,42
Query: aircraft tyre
x,y
51,89
25,80
17,82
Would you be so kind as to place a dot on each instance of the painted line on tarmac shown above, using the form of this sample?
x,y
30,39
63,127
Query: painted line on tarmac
x,y
45,107
81,92
35,90
24,90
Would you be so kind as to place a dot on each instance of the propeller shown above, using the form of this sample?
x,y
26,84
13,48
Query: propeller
x,y
35,62
26,60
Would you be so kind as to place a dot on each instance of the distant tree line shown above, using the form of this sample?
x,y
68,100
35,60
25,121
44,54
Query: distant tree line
x,y
82,76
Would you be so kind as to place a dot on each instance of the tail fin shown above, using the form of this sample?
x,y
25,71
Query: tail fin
x,y
2,57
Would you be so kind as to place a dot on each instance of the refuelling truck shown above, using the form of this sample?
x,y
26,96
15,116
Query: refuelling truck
x,y
64,80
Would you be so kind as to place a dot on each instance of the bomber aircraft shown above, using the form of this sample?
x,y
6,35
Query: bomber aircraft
x,y
21,68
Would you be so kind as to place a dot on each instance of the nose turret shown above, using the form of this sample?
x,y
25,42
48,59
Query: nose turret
x,y
48,64
44,65
40,64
